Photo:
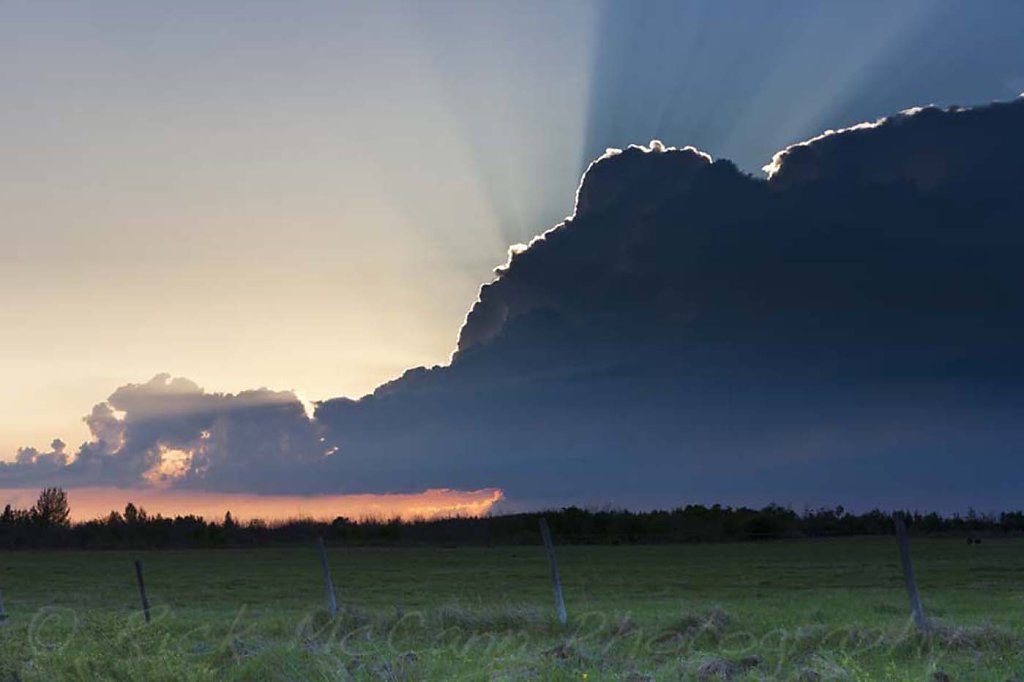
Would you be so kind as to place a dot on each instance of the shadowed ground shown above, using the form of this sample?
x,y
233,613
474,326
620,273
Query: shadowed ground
x,y
777,610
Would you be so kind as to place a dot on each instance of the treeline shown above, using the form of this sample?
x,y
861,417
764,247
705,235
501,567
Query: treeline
x,y
47,524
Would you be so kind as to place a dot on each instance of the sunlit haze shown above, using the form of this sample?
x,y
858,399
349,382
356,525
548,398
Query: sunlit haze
x,y
262,196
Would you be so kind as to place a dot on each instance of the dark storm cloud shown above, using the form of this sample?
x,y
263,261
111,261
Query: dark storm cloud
x,y
929,147
848,330
692,331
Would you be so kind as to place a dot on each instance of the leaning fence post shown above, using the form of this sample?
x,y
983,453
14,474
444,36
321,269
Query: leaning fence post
x,y
142,589
556,582
332,602
908,572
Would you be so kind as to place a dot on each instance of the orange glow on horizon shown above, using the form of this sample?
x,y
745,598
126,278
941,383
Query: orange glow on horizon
x,y
92,503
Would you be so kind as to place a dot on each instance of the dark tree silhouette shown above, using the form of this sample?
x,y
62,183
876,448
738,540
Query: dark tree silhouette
x,y
52,508
47,524
135,515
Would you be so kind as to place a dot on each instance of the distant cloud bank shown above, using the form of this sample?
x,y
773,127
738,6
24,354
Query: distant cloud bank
x,y
848,330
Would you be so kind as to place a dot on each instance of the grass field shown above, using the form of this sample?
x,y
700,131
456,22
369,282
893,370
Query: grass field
x,y
791,610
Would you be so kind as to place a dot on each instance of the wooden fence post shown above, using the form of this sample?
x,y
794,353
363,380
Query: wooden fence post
x,y
556,581
142,589
332,602
908,572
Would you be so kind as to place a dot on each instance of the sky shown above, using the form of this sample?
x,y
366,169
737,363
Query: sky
x,y
307,196
241,194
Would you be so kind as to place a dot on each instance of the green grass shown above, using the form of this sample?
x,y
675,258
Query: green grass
x,y
779,610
